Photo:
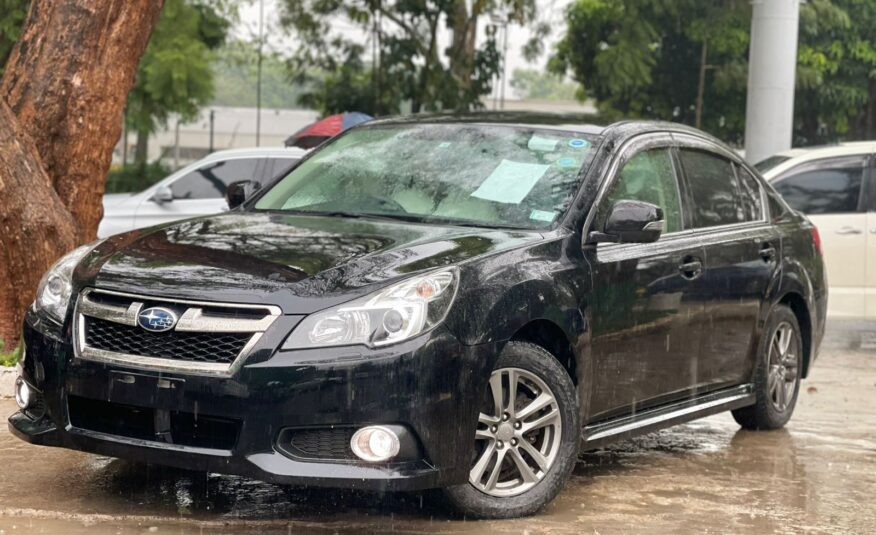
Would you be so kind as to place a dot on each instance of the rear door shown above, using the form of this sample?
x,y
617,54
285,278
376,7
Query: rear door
x,y
829,192
727,214
644,345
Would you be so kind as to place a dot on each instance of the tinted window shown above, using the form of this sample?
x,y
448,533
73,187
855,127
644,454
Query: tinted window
x,y
648,176
765,165
210,181
751,194
715,196
830,187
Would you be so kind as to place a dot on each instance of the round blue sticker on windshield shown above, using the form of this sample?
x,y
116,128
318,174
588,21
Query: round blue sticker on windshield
x,y
567,162
578,143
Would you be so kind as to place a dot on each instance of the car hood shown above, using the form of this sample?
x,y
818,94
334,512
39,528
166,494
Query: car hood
x,y
300,263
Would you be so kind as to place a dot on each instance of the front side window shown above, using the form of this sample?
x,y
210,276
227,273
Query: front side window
x,y
211,180
648,176
714,190
489,175
828,187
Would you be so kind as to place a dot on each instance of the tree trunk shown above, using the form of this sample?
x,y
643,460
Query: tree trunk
x,y
141,156
701,84
870,121
65,86
67,80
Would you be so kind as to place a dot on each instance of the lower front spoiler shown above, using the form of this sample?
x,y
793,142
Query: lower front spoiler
x,y
270,466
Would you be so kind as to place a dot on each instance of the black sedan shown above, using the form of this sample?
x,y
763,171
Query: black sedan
x,y
455,302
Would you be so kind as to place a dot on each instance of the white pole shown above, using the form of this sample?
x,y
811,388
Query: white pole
x,y
769,116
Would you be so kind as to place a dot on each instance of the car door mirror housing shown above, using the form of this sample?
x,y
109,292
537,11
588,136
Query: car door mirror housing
x,y
238,192
162,195
631,222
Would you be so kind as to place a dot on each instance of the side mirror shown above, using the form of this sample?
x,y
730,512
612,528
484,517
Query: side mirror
x,y
631,222
238,192
162,195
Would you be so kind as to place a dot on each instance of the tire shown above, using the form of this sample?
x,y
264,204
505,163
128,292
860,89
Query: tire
x,y
532,368
775,403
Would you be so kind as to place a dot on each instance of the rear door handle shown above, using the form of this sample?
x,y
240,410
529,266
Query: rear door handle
x,y
768,252
846,231
691,268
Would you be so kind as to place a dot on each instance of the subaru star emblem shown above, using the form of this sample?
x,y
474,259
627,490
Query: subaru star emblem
x,y
157,319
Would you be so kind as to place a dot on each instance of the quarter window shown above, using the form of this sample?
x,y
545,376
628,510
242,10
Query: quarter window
x,y
649,177
714,190
829,187
211,180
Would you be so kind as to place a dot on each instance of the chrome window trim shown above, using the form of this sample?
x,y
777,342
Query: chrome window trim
x,y
195,322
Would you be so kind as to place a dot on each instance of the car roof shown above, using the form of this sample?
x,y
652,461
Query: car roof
x,y
807,154
256,152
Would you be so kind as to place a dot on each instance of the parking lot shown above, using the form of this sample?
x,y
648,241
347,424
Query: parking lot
x,y
817,476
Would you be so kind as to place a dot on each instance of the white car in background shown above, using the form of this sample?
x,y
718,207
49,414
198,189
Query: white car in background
x,y
836,188
195,190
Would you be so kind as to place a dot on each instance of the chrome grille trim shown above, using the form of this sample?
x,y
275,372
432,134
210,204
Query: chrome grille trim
x,y
192,320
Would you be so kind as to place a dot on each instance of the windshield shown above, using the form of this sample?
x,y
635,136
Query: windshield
x,y
494,176
765,165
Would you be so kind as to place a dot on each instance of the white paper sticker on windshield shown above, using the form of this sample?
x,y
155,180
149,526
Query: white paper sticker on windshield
x,y
510,182
542,144
543,215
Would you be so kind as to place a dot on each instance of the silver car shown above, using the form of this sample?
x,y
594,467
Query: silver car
x,y
195,190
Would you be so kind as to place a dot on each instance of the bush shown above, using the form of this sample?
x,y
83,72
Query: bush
x,y
133,178
9,358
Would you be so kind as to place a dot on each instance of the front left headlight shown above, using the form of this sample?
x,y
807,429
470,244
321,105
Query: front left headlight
x,y
394,314
53,293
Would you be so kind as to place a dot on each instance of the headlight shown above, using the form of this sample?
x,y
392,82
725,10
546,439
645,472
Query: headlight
x,y
391,315
53,293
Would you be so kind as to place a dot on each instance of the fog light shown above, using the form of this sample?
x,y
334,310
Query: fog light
x,y
375,444
23,394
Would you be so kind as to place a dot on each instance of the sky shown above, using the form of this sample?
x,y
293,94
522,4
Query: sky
x,y
548,10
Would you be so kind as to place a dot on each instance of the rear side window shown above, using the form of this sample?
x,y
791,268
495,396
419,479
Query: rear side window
x,y
211,180
752,194
831,186
714,191
649,177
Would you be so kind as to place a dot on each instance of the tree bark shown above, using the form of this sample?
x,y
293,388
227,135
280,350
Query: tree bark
x,y
65,86
870,121
67,80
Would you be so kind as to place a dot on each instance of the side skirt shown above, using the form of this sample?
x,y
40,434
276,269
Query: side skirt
x,y
602,433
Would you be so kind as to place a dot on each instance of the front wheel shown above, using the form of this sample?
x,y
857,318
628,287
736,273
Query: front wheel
x,y
527,437
778,373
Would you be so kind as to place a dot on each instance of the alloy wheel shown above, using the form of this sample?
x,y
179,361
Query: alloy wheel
x,y
518,434
782,377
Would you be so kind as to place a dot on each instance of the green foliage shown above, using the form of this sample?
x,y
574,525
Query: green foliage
x,y
174,75
412,66
12,13
641,58
535,84
235,65
9,358
133,179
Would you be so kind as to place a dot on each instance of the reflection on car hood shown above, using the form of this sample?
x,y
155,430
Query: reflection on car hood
x,y
302,263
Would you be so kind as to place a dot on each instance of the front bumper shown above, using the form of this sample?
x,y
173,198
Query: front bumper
x,y
431,385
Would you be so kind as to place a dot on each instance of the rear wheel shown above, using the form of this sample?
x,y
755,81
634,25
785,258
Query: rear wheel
x,y
526,440
777,378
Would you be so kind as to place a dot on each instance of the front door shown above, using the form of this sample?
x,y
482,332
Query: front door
x,y
644,347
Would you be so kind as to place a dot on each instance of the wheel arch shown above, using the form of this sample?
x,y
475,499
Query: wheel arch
x,y
552,338
795,301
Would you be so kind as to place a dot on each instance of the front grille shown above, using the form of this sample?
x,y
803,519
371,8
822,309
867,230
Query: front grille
x,y
186,346
185,428
330,443
206,337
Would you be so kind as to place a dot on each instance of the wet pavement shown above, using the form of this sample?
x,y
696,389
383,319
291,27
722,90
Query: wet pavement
x,y
817,476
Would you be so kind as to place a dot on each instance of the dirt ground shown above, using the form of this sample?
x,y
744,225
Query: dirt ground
x,y
816,476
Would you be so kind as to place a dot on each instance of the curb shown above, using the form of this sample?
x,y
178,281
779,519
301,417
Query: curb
x,y
7,382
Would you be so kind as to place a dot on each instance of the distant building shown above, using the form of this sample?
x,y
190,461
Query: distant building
x,y
232,128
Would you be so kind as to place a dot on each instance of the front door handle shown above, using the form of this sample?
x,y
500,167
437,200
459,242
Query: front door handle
x,y
691,267
846,231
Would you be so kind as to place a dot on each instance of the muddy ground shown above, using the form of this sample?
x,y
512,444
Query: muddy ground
x,y
816,476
